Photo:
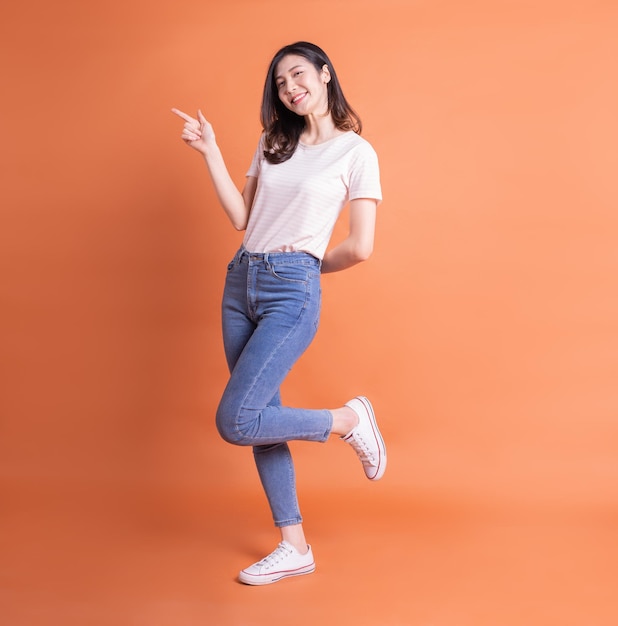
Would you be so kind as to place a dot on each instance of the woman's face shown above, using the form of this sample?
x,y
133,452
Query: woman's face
x,y
301,87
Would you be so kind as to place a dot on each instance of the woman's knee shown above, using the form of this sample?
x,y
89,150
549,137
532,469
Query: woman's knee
x,y
231,429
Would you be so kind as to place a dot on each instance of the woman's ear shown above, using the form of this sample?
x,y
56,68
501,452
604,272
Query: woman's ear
x,y
325,73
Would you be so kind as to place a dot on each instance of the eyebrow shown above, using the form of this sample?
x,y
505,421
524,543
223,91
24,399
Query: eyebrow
x,y
290,70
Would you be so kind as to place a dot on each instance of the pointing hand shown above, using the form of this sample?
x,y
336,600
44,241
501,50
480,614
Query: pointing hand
x,y
197,133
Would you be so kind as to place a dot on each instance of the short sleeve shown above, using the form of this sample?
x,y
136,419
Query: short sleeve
x,y
364,175
258,157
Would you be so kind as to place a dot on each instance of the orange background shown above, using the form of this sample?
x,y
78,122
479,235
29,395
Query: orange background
x,y
484,328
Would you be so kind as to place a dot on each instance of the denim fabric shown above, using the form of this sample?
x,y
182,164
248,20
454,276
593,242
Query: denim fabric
x,y
271,309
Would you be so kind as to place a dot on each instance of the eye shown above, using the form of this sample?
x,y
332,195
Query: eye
x,y
298,73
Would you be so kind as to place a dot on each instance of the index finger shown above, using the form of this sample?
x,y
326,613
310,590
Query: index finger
x,y
184,116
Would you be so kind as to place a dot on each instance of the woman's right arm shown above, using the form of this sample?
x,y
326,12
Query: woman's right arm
x,y
199,135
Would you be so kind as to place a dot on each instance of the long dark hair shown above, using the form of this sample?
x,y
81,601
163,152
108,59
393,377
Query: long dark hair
x,y
282,127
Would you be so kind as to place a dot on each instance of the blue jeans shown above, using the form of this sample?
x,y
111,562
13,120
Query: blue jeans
x,y
271,310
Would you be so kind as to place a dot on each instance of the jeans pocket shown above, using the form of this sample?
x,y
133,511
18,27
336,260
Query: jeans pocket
x,y
290,273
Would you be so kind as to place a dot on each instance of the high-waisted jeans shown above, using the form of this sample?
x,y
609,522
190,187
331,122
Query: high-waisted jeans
x,y
271,309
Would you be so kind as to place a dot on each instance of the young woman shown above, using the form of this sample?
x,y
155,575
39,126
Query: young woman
x,y
310,162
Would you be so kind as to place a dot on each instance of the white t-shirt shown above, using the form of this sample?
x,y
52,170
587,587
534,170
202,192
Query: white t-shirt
x,y
297,202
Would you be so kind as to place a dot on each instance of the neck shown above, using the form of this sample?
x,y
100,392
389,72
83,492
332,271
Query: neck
x,y
319,129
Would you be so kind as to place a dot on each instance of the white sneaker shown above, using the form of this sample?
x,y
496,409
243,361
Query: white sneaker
x,y
284,561
366,439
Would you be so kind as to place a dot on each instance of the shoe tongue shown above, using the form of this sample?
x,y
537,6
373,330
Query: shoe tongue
x,y
287,545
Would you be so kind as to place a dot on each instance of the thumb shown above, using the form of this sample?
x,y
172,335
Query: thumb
x,y
200,117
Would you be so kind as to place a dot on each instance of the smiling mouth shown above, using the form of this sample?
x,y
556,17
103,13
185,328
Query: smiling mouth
x,y
298,98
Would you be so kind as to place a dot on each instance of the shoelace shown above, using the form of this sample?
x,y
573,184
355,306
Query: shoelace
x,y
278,554
362,449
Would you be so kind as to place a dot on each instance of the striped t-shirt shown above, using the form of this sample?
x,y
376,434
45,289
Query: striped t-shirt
x,y
297,202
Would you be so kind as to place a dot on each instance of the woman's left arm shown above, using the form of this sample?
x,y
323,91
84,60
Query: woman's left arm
x,y
358,245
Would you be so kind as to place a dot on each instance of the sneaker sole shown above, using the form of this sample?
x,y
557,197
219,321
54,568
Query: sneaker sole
x,y
267,579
